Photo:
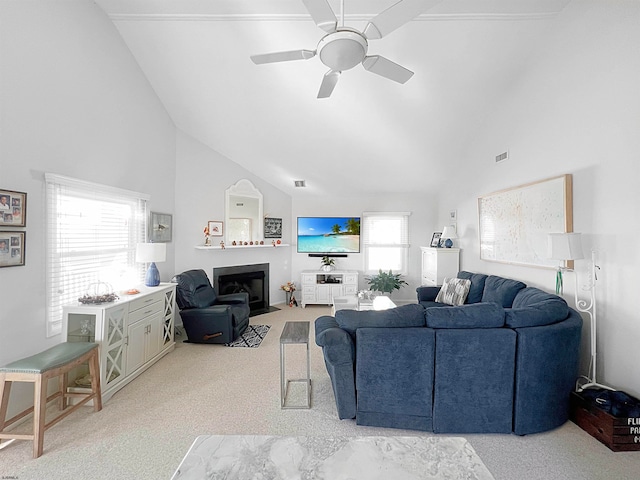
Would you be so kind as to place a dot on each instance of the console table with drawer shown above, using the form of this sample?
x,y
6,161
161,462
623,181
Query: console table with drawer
x,y
322,287
133,332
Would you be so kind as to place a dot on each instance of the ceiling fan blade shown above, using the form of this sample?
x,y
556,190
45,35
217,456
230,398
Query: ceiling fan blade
x,y
395,16
283,56
386,68
322,14
328,83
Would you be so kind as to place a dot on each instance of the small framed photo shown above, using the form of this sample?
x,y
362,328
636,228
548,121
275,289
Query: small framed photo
x,y
272,227
160,227
13,208
12,247
453,216
435,239
215,228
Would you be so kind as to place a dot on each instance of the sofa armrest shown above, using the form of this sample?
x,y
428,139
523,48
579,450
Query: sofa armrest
x,y
233,298
427,294
339,357
214,313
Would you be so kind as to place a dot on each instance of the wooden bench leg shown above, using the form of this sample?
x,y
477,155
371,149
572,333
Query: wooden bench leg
x,y
94,371
39,409
5,392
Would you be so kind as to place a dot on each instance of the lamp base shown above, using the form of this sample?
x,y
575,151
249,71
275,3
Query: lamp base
x,y
152,279
448,243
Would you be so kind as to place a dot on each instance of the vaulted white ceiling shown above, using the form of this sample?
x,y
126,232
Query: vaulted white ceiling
x,y
372,134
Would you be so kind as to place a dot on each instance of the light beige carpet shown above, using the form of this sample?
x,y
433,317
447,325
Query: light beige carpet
x,y
144,431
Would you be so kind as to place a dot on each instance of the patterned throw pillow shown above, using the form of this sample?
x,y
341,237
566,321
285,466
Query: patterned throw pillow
x,y
454,291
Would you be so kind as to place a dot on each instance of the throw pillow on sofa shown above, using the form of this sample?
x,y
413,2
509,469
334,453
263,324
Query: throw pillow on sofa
x,y
454,291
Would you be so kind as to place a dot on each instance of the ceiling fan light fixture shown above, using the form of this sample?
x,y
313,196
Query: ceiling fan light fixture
x,y
342,50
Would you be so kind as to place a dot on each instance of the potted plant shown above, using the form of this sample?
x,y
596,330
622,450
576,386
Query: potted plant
x,y
385,281
327,263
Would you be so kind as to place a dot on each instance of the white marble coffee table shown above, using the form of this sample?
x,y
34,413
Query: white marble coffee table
x,y
245,457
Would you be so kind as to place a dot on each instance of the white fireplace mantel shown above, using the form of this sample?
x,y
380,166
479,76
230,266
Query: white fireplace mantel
x,y
238,247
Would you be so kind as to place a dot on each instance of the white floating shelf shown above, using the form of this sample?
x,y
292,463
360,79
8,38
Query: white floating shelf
x,y
239,247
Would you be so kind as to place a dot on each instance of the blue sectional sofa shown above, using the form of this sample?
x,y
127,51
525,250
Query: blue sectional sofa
x,y
505,361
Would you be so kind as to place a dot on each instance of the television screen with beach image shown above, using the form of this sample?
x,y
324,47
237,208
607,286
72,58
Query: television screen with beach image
x,y
328,234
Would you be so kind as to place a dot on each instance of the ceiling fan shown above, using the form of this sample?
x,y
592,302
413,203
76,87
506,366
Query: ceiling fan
x,y
342,48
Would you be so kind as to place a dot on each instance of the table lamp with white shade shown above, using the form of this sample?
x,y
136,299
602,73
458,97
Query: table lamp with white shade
x,y
151,253
566,247
449,233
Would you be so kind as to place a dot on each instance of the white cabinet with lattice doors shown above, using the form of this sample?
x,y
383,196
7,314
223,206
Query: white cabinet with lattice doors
x,y
133,332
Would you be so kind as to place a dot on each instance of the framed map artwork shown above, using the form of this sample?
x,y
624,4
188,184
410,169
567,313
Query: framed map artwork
x,y
514,223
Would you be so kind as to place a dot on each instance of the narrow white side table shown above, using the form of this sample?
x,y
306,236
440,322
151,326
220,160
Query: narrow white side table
x,y
294,333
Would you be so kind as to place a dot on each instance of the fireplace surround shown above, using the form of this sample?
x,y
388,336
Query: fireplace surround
x,y
252,279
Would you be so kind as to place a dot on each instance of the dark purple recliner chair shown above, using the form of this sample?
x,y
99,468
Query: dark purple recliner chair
x,y
208,317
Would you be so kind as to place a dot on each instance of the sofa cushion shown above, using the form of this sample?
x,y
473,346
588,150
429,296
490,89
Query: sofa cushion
x,y
454,291
501,290
477,285
533,307
477,315
411,315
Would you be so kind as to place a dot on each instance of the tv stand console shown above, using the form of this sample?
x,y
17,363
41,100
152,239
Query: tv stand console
x,y
321,287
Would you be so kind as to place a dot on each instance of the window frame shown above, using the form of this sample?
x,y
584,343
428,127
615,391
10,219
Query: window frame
x,y
69,256
369,243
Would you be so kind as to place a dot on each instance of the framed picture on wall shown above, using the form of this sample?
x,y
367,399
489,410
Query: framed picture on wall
x,y
160,227
13,208
11,248
215,228
272,227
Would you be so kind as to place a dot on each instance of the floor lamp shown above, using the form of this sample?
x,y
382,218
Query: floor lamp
x,y
568,247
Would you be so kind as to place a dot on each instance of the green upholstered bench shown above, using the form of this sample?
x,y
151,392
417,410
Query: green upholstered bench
x,y
38,369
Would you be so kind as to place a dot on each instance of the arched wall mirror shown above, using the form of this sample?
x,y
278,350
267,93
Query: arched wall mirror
x,y
243,213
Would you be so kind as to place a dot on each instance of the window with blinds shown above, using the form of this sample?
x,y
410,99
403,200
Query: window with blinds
x,y
386,241
92,232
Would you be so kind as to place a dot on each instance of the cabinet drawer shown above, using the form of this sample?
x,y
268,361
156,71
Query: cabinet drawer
x,y
350,289
309,289
145,300
308,278
145,312
428,282
350,279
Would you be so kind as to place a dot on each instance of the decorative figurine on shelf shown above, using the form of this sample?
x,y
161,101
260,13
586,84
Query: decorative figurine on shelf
x,y
207,240
233,244
273,242
222,244
261,242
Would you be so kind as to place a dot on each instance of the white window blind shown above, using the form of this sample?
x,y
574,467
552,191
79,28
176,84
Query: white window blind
x,y
386,241
92,232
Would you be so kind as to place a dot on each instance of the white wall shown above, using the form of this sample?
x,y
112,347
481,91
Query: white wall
x,y
575,110
202,176
422,224
73,102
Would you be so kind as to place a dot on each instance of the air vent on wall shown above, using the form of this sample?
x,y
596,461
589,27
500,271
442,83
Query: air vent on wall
x,y
299,183
502,157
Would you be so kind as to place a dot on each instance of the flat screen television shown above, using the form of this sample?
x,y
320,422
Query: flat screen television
x,y
328,235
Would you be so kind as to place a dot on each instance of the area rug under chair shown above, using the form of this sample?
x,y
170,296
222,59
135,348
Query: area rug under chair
x,y
252,336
